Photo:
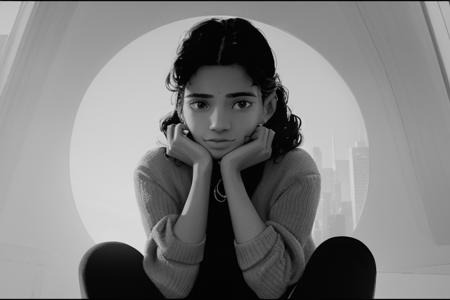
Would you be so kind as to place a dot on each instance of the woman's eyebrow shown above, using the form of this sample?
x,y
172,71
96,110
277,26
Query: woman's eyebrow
x,y
231,95
240,94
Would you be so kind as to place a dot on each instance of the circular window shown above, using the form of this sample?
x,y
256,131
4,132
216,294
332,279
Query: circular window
x,y
118,121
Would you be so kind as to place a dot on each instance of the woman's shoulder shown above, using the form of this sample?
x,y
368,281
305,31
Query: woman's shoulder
x,y
291,169
297,162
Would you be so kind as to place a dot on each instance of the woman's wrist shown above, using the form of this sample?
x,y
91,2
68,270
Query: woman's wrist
x,y
204,164
227,167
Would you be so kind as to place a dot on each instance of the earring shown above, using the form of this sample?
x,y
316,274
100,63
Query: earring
x,y
185,130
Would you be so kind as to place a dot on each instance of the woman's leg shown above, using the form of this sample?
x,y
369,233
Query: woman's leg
x,y
340,267
114,270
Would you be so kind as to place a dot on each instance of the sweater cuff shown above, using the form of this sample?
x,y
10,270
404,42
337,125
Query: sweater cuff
x,y
251,252
173,248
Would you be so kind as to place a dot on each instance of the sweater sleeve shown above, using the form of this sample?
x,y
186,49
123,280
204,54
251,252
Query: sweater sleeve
x,y
276,258
170,263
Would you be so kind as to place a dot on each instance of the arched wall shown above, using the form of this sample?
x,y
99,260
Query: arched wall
x,y
68,43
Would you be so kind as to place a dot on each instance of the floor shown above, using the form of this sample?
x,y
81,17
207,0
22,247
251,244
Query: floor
x,y
434,284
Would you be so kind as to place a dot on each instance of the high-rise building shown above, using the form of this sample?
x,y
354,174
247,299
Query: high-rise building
x,y
328,180
336,225
359,178
346,210
317,156
343,176
325,212
328,186
337,194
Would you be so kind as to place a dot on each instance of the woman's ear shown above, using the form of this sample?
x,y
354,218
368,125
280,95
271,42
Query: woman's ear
x,y
270,106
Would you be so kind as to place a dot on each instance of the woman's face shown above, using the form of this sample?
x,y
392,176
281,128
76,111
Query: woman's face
x,y
220,102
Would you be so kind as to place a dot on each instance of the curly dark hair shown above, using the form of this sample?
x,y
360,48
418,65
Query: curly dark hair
x,y
234,41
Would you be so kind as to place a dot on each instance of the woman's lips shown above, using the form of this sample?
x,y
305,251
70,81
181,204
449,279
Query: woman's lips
x,y
218,144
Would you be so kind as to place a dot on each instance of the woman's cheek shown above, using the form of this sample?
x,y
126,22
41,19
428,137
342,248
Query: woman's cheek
x,y
249,137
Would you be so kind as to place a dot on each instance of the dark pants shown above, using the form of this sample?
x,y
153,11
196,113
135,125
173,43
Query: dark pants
x,y
340,267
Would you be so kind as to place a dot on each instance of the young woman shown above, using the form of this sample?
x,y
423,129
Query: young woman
x,y
229,203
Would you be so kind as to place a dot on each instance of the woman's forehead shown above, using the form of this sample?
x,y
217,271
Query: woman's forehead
x,y
216,80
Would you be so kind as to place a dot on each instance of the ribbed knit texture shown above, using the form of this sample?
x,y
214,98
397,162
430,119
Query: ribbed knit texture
x,y
286,200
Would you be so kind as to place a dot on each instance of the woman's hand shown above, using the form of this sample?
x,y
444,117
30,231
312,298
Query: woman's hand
x,y
257,150
183,148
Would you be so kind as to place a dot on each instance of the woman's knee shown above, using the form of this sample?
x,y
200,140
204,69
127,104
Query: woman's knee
x,y
114,269
108,254
106,264
341,266
345,249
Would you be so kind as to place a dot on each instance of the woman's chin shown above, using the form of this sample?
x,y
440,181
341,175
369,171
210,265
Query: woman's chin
x,y
217,154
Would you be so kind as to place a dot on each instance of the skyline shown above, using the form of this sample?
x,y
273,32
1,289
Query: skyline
x,y
343,192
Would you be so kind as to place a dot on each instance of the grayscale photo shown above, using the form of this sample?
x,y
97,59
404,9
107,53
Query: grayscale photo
x,y
224,150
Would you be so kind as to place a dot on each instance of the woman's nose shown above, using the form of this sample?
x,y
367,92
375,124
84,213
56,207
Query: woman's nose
x,y
219,120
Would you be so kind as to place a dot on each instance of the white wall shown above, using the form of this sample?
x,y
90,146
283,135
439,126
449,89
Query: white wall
x,y
3,38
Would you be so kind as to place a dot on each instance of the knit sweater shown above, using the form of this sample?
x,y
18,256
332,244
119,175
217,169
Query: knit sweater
x,y
286,199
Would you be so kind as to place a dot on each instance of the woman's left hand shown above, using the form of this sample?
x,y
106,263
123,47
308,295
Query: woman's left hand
x,y
258,149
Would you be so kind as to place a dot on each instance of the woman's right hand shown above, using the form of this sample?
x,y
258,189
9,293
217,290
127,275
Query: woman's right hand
x,y
183,148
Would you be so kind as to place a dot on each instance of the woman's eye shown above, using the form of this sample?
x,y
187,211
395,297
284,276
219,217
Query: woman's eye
x,y
198,103
240,104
